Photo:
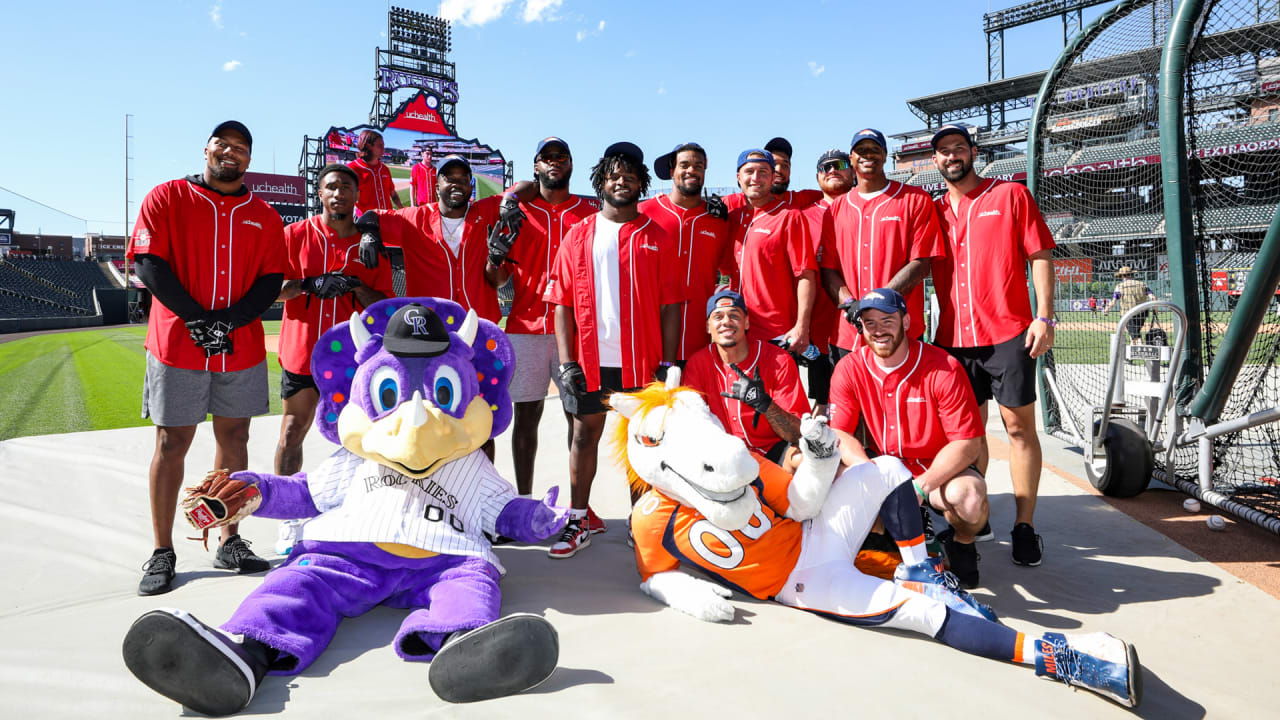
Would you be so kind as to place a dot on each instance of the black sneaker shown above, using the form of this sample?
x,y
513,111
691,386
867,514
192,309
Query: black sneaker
x,y
985,534
157,573
964,558
234,554
1028,547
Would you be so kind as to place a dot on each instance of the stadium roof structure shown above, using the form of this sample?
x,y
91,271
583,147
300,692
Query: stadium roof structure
x,y
944,107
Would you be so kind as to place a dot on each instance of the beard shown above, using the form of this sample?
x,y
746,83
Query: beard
x,y
690,188
897,339
621,200
550,184
837,186
339,215
453,203
954,174
222,174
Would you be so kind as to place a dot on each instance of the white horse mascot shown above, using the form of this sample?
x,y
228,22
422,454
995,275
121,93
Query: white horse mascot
x,y
710,503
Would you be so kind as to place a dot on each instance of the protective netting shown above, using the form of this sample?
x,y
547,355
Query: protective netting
x,y
1099,190
1233,144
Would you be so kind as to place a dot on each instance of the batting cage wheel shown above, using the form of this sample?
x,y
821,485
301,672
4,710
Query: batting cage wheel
x,y
1123,467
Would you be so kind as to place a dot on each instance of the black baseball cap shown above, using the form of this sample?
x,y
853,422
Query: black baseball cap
x,y
662,164
779,144
723,299
454,160
553,140
416,331
832,154
886,300
631,151
235,125
953,129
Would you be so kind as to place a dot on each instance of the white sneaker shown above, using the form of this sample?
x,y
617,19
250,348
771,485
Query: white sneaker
x,y
287,535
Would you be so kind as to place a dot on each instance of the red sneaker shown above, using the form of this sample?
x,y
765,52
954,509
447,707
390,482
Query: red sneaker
x,y
573,538
594,523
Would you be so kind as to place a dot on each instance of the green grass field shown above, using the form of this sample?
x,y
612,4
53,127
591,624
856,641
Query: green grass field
x,y
88,380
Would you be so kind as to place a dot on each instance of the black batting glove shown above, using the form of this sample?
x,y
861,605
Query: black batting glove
x,y
212,335
329,285
716,207
501,238
573,379
749,390
370,240
850,309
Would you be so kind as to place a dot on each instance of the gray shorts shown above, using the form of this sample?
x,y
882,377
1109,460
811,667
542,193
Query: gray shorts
x,y
537,365
175,397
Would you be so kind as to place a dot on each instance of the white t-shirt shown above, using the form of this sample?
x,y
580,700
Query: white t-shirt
x,y
868,196
452,228
604,260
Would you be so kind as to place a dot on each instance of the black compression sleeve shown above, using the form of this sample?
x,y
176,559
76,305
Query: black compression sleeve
x,y
261,294
164,285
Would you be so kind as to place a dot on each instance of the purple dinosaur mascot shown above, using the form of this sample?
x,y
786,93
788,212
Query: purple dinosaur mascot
x,y
410,389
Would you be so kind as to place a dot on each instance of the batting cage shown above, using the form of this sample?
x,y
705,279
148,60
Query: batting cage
x,y
1153,154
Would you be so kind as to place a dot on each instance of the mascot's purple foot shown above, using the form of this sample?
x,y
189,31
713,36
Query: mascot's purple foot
x,y
194,664
505,657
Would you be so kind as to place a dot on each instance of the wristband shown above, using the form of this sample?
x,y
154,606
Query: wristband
x,y
1047,321
919,491
664,363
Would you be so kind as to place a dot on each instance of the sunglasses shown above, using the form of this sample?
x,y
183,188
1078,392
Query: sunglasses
x,y
833,166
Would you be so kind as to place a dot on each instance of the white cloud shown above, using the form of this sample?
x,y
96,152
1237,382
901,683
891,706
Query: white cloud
x,y
473,12
630,53
815,69
215,14
230,65
662,88
582,34
600,27
539,10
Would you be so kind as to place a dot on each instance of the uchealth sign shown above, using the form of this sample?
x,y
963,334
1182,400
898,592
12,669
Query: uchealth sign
x,y
289,189
1073,269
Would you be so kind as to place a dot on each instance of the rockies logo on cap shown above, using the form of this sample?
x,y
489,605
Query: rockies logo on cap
x,y
416,331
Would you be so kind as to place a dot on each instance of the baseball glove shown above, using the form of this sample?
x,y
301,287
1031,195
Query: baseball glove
x,y
219,501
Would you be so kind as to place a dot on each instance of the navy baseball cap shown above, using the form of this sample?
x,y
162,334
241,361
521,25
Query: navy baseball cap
x,y
832,154
779,144
953,129
553,140
416,331
869,134
743,157
631,151
454,160
724,299
885,300
235,125
662,164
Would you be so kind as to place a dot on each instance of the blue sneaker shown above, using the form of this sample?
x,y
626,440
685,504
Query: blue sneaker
x,y
1099,662
929,579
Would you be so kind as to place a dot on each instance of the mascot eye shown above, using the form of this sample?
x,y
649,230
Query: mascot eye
x,y
384,389
446,389
648,441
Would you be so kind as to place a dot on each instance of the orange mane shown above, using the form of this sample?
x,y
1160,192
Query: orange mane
x,y
653,395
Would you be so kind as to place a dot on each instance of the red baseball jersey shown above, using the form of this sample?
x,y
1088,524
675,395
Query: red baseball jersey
x,y
911,412
702,244
217,245
422,177
432,268
756,560
313,248
771,249
874,239
545,225
995,229
798,199
824,323
708,374
644,249
376,186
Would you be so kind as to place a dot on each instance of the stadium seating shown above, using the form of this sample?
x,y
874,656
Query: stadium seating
x,y
1239,218
1242,134
49,288
926,177
901,176
1125,226
1116,151
1060,225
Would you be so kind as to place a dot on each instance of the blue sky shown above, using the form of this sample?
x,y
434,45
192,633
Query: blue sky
x,y
728,75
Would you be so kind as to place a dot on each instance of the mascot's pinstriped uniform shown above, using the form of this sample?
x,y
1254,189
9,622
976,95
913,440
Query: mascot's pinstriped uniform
x,y
411,389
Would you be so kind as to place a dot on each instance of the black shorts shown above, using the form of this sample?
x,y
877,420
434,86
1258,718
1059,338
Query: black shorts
x,y
820,369
1135,325
293,383
593,403
836,354
777,452
1005,372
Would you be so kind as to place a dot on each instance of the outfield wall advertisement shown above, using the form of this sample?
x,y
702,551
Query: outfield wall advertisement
x,y
415,131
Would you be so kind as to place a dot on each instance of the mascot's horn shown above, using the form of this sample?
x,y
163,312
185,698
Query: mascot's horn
x,y
419,417
359,333
467,331
673,377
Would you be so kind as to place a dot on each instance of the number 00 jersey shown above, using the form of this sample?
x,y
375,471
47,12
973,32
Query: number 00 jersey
x,y
755,560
